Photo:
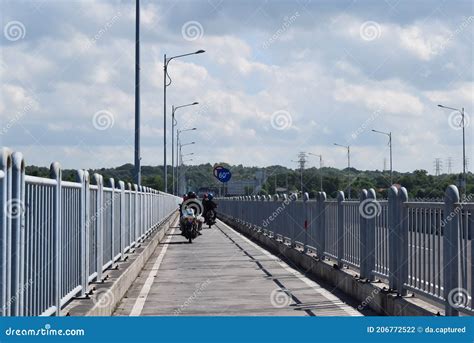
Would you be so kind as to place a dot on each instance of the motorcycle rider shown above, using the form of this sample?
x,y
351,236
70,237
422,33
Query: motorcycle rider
x,y
208,205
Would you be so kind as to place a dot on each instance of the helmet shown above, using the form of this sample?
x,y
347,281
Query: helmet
x,y
210,196
204,196
192,195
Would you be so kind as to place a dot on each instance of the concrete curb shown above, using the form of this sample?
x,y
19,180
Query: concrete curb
x,y
109,293
372,295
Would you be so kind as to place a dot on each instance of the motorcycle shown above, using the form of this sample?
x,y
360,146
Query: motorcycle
x,y
210,218
190,225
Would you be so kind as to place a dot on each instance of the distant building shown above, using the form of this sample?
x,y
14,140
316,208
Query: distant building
x,y
240,187
246,187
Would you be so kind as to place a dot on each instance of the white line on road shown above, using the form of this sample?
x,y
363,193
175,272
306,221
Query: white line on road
x,y
140,302
328,295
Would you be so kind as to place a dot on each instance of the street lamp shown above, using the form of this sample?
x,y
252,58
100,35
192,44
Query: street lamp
x,y
320,171
180,162
166,83
173,124
184,172
348,147
177,157
137,158
389,134
463,125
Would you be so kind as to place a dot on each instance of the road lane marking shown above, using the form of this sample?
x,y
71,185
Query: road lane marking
x,y
328,295
140,302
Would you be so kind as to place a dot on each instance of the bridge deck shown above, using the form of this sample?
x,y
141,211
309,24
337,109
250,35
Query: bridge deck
x,y
224,273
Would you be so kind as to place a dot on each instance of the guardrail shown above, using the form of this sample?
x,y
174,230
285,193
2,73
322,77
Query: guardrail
x,y
56,236
424,247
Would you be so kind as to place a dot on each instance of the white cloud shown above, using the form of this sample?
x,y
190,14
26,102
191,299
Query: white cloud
x,y
326,77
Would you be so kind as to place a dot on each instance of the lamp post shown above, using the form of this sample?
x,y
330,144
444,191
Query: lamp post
x,y
177,153
463,125
180,161
137,172
389,134
184,172
348,147
173,124
166,83
320,171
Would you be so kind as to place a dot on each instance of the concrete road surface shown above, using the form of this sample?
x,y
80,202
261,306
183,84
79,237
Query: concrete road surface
x,y
222,273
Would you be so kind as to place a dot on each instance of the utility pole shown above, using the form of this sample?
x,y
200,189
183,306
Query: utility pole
x,y
348,147
138,176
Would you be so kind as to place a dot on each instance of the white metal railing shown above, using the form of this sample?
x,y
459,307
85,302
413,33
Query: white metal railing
x,y
425,247
56,236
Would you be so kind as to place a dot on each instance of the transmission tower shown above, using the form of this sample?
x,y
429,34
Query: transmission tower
x,y
438,166
449,163
302,162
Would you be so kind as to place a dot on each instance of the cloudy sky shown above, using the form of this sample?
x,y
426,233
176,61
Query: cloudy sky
x,y
277,78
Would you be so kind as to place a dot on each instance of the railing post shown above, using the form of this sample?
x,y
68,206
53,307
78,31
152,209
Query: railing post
x,y
276,199
451,249
135,215
340,229
122,219
322,222
363,234
5,229
99,225
402,248
80,178
112,219
130,215
15,210
55,173
393,224
370,238
306,221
